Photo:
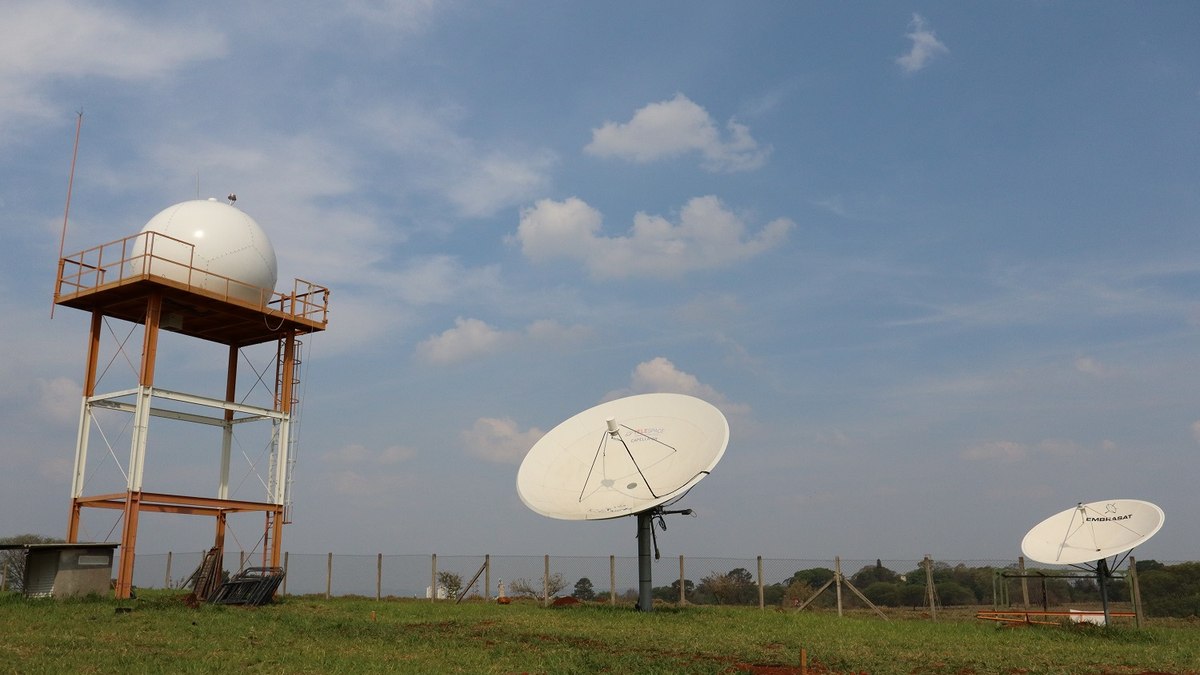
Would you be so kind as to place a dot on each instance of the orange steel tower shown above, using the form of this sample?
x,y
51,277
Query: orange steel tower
x,y
204,270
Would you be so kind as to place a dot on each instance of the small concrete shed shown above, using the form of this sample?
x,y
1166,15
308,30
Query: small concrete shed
x,y
65,570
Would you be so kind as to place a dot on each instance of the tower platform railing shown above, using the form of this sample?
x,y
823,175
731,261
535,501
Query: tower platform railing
x,y
115,277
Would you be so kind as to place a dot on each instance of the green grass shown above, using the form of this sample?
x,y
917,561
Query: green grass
x,y
313,635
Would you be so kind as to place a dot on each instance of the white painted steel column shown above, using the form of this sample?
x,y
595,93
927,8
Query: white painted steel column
x,y
141,431
81,443
226,449
279,479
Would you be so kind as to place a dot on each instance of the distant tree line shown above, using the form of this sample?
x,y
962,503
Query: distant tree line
x,y
1170,590
1166,590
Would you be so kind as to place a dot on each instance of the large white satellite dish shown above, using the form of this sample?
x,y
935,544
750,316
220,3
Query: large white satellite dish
x,y
1087,535
632,456
623,457
1092,531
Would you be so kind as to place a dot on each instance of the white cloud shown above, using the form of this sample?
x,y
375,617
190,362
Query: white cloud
x,y
709,308
44,41
472,338
1003,451
57,470
1013,451
468,339
499,440
1090,366
477,179
297,188
401,15
835,205
288,184
492,182
707,236
359,319
440,279
1059,448
1026,294
305,192
59,400
394,454
550,331
362,472
552,229
361,484
348,453
669,129
355,453
502,441
660,375
925,46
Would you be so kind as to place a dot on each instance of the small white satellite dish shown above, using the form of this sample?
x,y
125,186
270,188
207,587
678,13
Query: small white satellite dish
x,y
632,456
1092,531
623,457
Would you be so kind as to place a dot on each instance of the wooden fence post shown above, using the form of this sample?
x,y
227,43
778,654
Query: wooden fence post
x,y
329,576
546,583
1024,583
1135,593
487,576
283,589
837,576
930,589
995,588
612,580
379,576
433,580
167,576
682,583
761,597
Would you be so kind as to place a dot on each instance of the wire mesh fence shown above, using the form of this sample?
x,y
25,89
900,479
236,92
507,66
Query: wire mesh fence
x,y
752,581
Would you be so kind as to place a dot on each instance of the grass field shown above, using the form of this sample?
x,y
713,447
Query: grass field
x,y
158,633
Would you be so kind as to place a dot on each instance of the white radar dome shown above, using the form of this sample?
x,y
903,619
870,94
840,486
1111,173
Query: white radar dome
x,y
226,251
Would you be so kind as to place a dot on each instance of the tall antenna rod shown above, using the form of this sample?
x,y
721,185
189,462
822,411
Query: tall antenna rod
x,y
62,242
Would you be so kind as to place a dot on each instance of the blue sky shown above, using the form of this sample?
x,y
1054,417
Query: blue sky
x,y
935,262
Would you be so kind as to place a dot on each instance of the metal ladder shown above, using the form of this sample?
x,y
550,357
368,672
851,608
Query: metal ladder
x,y
293,437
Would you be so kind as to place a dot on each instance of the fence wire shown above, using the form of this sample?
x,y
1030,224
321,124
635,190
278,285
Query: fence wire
x,y
783,582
